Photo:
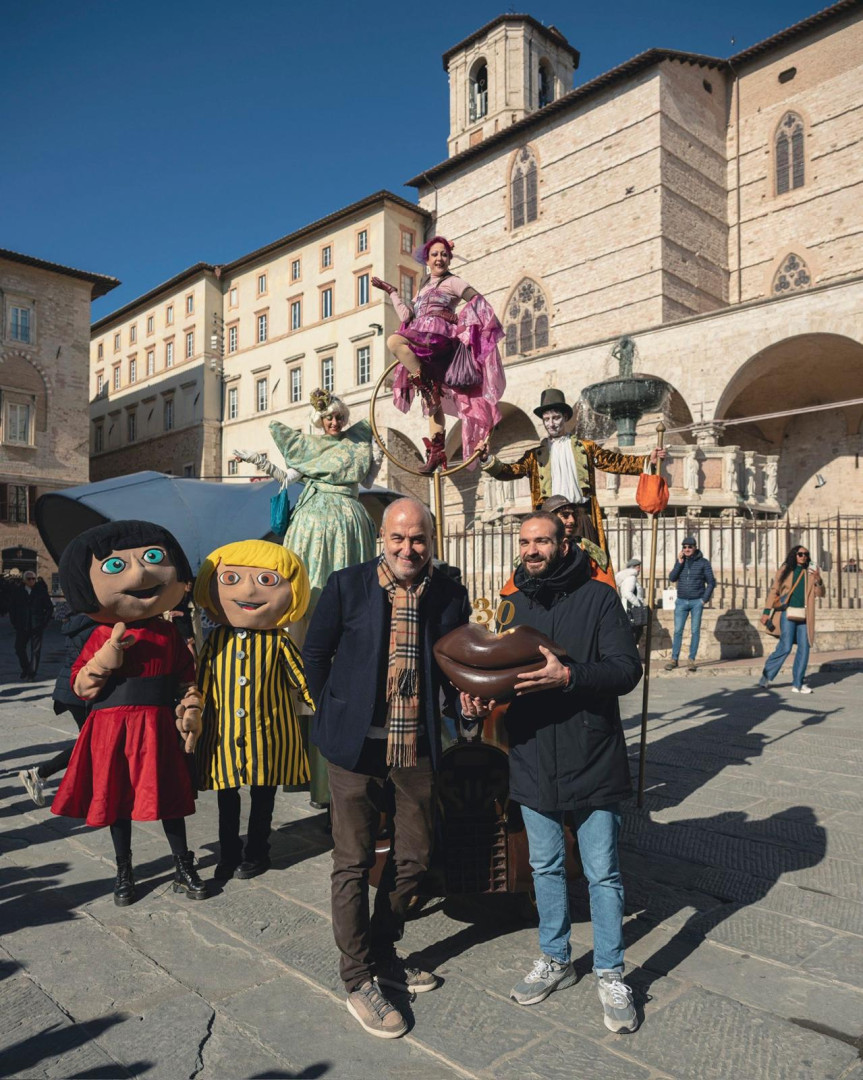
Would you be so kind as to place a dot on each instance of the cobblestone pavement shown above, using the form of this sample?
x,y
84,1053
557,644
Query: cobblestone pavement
x,y
744,878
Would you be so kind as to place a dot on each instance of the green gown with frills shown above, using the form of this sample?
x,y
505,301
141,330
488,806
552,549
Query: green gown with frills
x,y
329,529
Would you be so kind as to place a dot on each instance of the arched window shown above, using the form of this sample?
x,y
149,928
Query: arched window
x,y
526,319
546,83
792,275
524,188
479,92
788,144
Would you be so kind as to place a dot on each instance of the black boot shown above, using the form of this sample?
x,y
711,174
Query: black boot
x,y
186,878
124,886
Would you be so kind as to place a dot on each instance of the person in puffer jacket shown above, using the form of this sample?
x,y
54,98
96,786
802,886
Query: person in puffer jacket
x,y
695,584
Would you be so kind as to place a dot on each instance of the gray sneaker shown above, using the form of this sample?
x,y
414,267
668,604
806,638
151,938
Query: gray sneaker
x,y
396,973
616,998
378,1016
546,976
34,783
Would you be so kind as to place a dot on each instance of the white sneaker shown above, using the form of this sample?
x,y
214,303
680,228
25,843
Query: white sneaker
x,y
804,689
617,1005
34,783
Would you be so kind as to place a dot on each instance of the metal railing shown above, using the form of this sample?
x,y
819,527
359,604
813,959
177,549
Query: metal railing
x,y
744,553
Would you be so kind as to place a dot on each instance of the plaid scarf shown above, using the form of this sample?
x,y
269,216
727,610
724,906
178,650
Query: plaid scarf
x,y
403,676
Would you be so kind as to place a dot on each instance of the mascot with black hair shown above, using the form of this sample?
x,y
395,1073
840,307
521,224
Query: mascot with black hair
x,y
135,670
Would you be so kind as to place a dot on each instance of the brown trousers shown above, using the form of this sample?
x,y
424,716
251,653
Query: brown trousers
x,y
359,797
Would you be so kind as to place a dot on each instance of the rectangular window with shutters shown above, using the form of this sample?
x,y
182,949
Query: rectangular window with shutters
x,y
233,467
262,394
100,351
133,335
169,354
133,370
100,384
190,344
362,289
296,269
232,297
151,362
151,322
117,377
407,283
116,343
233,338
262,328
362,241
407,242
296,385
131,426
98,438
168,414
296,314
328,374
326,256
262,284
190,304
233,403
326,303
364,364
169,315
16,503
16,424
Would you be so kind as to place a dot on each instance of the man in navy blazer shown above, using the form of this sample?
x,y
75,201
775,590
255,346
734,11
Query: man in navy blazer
x,y
346,656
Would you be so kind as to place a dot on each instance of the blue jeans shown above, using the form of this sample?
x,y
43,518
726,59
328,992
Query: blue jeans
x,y
597,832
682,608
791,633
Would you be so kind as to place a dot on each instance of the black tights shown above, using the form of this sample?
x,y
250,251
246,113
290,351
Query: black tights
x,y
175,830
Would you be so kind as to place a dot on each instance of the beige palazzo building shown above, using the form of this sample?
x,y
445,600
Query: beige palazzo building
x,y
44,327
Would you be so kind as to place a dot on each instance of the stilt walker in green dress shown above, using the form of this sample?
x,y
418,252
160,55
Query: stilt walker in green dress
x,y
329,528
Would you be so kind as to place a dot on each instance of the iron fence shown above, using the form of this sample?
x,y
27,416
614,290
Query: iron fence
x,y
744,553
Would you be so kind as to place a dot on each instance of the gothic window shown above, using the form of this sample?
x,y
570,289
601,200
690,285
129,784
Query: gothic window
x,y
790,168
546,84
791,276
524,188
526,319
479,92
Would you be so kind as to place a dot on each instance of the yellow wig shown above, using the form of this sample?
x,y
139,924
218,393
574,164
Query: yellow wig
x,y
256,553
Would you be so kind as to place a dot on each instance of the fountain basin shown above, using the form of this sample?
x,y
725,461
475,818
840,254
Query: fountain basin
x,y
626,399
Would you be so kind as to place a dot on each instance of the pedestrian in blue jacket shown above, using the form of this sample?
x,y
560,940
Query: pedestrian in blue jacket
x,y
695,584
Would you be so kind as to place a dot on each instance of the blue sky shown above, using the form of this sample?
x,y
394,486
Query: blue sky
x,y
140,138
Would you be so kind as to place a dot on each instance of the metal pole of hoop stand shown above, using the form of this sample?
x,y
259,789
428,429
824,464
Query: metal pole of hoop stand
x,y
648,637
438,474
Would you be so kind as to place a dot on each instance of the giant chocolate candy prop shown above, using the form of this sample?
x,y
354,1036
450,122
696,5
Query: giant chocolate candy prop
x,y
487,665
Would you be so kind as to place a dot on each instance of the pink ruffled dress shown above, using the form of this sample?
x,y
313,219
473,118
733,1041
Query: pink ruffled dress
x,y
432,329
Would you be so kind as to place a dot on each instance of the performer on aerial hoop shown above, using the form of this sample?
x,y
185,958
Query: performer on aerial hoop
x,y
450,360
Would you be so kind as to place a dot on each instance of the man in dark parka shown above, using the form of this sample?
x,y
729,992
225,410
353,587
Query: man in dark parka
x,y
568,754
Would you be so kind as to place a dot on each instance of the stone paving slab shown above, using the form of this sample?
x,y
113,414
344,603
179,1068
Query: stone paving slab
x,y
743,906
725,1040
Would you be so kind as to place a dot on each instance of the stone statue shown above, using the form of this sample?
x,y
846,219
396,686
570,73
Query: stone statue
x,y
732,474
771,478
624,353
690,471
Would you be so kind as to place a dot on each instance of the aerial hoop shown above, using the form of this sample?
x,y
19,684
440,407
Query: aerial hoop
x,y
436,475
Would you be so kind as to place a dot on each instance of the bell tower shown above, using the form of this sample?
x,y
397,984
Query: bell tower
x,y
509,68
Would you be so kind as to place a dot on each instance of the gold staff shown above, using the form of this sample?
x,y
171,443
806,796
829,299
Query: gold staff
x,y
651,584
436,475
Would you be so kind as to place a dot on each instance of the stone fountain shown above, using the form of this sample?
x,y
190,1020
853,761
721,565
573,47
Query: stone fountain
x,y
628,397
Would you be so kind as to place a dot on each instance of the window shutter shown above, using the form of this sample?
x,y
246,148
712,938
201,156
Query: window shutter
x,y
781,163
797,164
531,194
517,198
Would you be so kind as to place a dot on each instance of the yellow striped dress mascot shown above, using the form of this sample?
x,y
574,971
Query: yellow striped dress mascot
x,y
246,669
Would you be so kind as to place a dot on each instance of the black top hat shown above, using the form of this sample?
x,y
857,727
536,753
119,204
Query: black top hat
x,y
553,399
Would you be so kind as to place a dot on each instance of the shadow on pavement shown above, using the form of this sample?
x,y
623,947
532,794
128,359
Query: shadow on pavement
x,y
728,860
22,1058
